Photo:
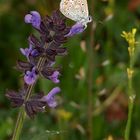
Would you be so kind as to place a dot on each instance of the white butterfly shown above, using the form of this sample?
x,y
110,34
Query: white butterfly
x,y
76,10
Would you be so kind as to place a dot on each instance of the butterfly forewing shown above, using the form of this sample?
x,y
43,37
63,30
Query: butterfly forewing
x,y
76,10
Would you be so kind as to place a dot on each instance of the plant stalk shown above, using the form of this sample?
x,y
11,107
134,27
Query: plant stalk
x,y
22,113
130,101
90,79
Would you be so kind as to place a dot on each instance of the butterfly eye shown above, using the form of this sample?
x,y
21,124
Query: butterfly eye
x,y
89,18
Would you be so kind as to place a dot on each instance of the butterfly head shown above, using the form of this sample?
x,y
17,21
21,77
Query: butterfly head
x,y
86,20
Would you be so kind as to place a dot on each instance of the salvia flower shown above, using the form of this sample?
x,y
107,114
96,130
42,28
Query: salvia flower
x,y
27,51
54,77
30,76
51,73
34,18
41,57
50,98
31,51
76,29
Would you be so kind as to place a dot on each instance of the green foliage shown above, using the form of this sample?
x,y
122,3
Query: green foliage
x,y
110,62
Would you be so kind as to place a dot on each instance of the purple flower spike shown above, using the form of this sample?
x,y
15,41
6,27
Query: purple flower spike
x,y
34,18
54,77
30,76
50,97
76,29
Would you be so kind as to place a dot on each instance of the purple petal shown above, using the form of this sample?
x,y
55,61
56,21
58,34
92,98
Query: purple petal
x,y
34,18
27,51
50,99
28,18
54,77
23,51
76,29
30,77
34,52
30,51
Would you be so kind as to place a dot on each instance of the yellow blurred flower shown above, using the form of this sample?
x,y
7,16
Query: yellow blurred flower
x,y
64,114
110,137
130,38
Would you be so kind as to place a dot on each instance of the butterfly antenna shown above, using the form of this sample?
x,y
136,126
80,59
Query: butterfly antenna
x,y
98,21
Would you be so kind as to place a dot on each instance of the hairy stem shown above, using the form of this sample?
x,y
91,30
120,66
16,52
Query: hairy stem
x,y
22,114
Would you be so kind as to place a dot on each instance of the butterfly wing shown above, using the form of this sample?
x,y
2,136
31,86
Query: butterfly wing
x,y
74,9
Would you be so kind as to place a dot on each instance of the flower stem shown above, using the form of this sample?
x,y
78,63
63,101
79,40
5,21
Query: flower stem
x,y
90,93
131,99
90,81
19,124
128,125
22,114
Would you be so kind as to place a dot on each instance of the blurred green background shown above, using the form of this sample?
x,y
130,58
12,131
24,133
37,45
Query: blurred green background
x,y
93,83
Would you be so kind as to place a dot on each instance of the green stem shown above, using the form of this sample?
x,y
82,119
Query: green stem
x,y
22,114
19,124
128,125
130,103
90,81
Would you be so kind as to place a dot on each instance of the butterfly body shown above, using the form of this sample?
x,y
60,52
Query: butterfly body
x,y
76,10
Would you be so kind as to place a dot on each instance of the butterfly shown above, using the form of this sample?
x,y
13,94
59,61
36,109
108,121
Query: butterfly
x,y
76,10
